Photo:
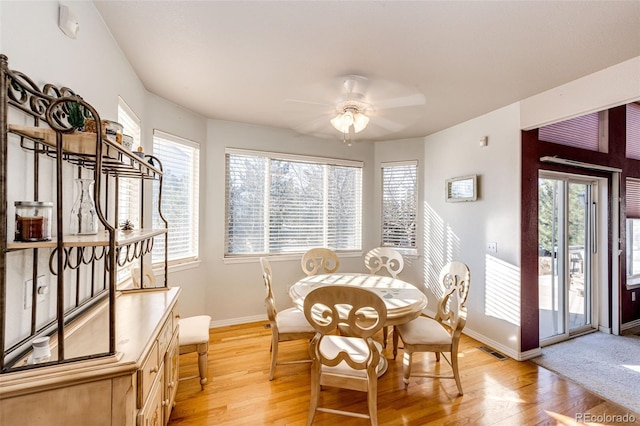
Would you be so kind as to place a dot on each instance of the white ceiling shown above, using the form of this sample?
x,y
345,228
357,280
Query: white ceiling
x,y
241,61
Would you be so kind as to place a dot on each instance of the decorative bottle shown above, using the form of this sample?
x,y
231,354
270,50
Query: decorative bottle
x,y
84,219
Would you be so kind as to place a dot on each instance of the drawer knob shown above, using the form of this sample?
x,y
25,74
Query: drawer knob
x,y
154,369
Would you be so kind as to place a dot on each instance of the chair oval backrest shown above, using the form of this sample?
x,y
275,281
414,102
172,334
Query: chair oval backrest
x,y
361,310
318,260
455,279
269,300
384,257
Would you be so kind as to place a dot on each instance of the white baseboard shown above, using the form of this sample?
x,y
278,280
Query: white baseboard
x,y
605,329
510,352
236,321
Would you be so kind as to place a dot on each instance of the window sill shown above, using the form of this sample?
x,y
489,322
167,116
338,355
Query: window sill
x,y
280,257
633,283
407,252
177,266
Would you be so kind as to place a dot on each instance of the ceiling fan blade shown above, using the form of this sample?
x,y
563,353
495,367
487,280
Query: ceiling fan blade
x,y
305,102
400,102
386,124
318,126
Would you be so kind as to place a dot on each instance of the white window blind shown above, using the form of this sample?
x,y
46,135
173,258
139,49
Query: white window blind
x,y
278,203
180,160
399,204
129,190
579,132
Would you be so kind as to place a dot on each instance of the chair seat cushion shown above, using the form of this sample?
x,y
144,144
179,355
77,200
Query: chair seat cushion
x,y
424,330
356,348
194,330
292,320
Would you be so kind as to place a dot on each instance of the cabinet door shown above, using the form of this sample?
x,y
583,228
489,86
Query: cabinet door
x,y
171,375
152,413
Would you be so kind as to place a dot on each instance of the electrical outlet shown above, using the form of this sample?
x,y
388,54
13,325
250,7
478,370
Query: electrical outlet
x,y
633,296
42,291
492,247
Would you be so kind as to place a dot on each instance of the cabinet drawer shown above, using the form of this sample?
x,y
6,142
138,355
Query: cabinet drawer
x,y
152,412
148,373
165,337
175,314
171,367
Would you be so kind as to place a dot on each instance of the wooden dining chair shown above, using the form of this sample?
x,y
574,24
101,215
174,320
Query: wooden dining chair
x,y
351,362
384,260
286,325
320,260
442,333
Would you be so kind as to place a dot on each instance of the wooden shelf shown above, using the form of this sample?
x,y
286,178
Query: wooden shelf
x,y
80,148
98,240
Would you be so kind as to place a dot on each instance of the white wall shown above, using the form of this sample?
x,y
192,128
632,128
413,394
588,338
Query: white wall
x,y
460,231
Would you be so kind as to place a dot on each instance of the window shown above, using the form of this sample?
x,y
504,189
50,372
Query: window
x,y
180,160
633,231
279,203
129,189
399,204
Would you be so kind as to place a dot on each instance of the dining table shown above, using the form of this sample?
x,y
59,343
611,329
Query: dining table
x,y
403,300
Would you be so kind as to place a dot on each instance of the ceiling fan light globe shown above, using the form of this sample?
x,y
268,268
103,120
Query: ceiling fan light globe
x,y
360,121
343,121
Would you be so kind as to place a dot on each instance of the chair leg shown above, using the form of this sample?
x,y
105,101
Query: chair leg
x,y
203,349
385,335
395,342
372,400
315,392
454,367
406,367
274,356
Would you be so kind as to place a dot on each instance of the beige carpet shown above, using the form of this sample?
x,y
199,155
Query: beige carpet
x,y
605,364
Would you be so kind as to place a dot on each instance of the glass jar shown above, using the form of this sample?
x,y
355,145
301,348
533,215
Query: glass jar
x,y
33,220
41,350
114,131
84,218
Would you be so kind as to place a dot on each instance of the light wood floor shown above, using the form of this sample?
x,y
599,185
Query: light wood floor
x,y
495,392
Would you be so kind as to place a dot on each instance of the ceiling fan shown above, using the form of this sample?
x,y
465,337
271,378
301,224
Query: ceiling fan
x,y
359,104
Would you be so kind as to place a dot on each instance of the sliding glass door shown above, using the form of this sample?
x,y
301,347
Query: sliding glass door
x,y
567,230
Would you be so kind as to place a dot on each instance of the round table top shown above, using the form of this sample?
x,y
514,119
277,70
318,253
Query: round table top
x,y
403,300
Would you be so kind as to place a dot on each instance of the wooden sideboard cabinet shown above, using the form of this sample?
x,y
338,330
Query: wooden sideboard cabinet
x,y
136,386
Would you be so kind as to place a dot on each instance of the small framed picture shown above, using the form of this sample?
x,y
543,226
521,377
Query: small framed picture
x,y
462,188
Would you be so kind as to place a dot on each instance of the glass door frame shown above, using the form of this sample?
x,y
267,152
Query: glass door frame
x,y
593,241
